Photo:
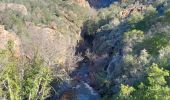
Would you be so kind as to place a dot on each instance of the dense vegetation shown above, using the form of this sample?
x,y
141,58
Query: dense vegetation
x,y
65,44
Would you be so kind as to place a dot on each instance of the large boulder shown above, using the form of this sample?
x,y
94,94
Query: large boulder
x,y
16,7
53,46
5,37
83,3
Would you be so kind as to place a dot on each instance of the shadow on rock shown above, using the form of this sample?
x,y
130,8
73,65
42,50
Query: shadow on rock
x,y
100,3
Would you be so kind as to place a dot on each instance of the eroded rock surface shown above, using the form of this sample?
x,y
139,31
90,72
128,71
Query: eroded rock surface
x,y
52,45
16,7
5,37
83,3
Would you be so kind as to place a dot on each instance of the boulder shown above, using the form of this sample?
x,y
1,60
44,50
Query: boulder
x,y
53,46
16,7
5,37
83,3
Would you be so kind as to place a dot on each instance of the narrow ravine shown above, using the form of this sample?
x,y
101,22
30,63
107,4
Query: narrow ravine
x,y
81,88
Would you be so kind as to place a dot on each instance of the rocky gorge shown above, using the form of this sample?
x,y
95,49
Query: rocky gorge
x,y
91,46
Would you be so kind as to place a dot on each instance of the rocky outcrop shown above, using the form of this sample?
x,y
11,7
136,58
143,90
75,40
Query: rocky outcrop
x,y
47,42
83,3
16,7
52,45
5,37
135,8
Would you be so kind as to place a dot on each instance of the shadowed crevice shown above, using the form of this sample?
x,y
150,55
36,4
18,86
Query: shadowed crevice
x,y
100,3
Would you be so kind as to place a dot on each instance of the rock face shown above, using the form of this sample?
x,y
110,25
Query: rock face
x,y
5,37
52,45
83,3
47,42
16,7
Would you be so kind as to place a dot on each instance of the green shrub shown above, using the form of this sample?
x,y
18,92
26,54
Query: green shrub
x,y
135,17
20,80
154,43
155,88
125,92
167,15
133,33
